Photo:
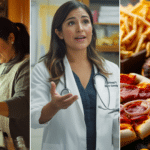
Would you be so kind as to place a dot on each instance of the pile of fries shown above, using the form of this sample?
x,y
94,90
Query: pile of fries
x,y
135,29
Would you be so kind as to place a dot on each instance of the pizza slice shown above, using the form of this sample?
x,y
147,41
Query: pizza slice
x,y
128,89
135,108
127,133
133,91
138,111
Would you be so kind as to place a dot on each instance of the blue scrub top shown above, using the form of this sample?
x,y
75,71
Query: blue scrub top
x,y
88,96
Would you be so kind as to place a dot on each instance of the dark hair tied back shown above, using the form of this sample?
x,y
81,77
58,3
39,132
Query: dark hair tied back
x,y
21,43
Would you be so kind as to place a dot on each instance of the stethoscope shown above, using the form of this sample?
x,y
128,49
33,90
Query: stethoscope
x,y
66,91
105,107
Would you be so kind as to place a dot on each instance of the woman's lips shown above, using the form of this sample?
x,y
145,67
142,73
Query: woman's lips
x,y
80,39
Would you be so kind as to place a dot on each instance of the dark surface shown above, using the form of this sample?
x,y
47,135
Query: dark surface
x,y
133,64
137,145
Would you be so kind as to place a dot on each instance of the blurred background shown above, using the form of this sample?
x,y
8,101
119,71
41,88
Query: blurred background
x,y
16,11
106,18
106,21
126,2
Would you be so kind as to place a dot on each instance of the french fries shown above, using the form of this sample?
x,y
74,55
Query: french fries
x,y
135,29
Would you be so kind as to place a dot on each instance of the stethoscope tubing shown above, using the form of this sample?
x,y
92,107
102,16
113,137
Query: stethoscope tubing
x,y
66,91
106,108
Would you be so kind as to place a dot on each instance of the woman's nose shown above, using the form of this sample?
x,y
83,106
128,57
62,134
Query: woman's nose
x,y
79,27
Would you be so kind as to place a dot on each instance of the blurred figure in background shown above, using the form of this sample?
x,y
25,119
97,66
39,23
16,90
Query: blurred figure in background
x,y
14,79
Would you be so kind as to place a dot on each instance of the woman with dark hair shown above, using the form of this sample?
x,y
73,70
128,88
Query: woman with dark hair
x,y
76,120
14,79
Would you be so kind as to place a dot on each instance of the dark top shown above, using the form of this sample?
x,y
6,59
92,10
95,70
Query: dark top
x,y
18,104
88,96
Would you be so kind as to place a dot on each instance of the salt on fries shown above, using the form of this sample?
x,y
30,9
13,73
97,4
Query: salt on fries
x,y
135,29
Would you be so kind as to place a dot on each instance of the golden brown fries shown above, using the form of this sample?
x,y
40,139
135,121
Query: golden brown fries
x,y
135,29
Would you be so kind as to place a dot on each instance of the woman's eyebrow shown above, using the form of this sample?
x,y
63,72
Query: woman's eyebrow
x,y
70,18
75,17
85,17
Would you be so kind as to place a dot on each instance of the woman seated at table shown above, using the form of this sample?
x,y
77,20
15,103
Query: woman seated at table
x,y
14,79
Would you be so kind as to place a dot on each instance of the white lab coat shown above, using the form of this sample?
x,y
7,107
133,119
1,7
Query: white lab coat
x,y
67,129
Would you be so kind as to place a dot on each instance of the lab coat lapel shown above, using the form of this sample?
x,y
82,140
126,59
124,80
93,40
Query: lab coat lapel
x,y
71,84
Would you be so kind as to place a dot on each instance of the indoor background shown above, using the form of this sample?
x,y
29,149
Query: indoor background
x,y
106,21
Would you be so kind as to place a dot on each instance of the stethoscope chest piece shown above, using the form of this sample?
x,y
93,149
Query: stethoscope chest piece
x,y
65,91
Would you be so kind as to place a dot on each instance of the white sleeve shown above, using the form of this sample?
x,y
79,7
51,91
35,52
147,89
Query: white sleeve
x,y
116,131
116,126
40,93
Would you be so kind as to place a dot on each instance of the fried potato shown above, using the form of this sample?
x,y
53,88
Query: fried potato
x,y
135,29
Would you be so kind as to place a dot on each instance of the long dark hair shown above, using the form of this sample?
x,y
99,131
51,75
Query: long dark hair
x,y
21,43
54,58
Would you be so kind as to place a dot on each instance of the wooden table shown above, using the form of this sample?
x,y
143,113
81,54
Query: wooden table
x,y
9,143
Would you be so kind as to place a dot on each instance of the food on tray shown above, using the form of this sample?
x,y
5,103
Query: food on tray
x,y
146,68
135,29
134,108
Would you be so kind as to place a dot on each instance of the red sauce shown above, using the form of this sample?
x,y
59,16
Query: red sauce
x,y
126,78
124,119
123,127
136,120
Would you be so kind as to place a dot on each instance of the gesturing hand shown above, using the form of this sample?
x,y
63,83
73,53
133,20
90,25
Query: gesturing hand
x,y
61,102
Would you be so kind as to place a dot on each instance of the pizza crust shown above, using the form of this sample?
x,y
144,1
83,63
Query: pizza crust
x,y
148,99
127,136
143,130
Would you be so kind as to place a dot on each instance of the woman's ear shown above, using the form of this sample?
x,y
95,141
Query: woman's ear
x,y
11,38
59,34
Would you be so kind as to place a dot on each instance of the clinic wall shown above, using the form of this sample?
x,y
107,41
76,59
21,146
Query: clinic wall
x,y
41,30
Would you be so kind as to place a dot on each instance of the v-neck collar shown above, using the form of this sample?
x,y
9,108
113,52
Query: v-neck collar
x,y
91,76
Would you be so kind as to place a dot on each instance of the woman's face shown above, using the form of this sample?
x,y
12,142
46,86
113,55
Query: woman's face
x,y
77,30
6,51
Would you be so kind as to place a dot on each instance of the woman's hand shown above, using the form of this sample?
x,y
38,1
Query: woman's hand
x,y
61,102
58,102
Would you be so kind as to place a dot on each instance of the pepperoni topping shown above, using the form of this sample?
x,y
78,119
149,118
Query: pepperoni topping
x,y
129,93
136,107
